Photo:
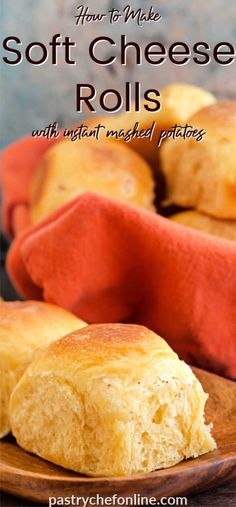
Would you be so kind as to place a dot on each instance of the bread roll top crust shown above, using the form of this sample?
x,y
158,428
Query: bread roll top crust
x,y
219,115
105,341
70,168
27,325
102,348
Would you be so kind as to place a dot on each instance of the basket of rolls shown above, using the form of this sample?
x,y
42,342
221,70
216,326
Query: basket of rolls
x,y
133,233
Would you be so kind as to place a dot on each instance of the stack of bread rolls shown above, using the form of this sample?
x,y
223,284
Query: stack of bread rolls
x,y
179,101
202,175
199,176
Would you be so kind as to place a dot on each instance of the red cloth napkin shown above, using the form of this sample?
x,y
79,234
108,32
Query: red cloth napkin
x,y
108,262
18,163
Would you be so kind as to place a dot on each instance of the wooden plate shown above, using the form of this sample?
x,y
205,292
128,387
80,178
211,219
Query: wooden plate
x,y
32,478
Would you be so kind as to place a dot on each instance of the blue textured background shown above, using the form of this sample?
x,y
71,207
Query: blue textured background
x,y
36,96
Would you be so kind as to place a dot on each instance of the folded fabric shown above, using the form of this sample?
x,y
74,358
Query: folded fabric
x,y
109,262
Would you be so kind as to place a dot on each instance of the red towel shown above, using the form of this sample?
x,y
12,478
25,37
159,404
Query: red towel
x,y
107,262
18,163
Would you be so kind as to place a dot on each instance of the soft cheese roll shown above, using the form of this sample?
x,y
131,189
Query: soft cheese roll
x,y
179,101
24,328
110,400
222,228
68,169
202,175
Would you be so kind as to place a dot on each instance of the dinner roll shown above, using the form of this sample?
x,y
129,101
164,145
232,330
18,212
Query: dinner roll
x,y
69,169
24,327
202,175
178,102
110,400
223,228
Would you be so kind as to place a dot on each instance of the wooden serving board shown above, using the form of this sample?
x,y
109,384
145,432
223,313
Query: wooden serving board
x,y
32,478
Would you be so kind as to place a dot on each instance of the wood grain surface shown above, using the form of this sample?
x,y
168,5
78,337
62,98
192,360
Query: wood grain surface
x,y
32,478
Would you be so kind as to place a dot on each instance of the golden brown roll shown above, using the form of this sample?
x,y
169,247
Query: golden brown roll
x,y
69,169
202,175
24,328
222,228
110,399
179,101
